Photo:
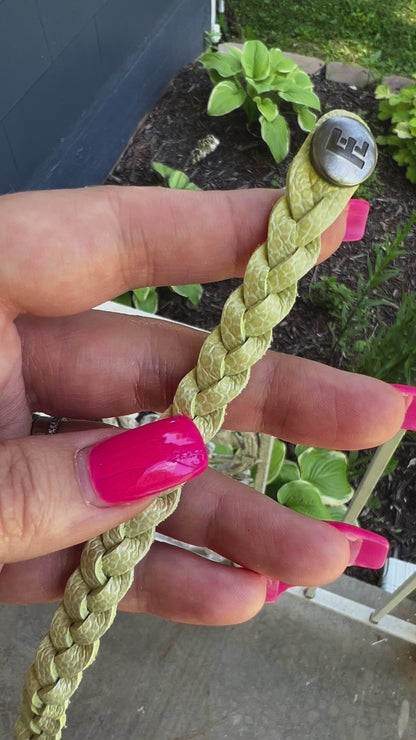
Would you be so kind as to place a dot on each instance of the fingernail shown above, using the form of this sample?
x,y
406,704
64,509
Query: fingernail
x,y
274,589
141,462
356,220
367,549
409,395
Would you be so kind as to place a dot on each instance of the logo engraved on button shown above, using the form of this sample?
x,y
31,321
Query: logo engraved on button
x,y
343,150
347,148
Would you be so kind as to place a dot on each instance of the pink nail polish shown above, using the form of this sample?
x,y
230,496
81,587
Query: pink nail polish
x,y
409,395
367,549
141,462
274,589
356,220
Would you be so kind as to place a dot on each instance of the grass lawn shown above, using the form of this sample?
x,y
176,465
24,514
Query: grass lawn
x,y
379,34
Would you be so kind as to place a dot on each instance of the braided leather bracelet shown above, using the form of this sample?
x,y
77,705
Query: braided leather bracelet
x,y
323,176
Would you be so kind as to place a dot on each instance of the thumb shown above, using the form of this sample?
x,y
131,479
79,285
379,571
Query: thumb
x,y
60,490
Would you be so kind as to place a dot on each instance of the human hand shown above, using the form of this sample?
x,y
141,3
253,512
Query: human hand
x,y
66,251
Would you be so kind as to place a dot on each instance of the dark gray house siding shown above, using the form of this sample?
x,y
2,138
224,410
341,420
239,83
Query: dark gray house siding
x,y
77,75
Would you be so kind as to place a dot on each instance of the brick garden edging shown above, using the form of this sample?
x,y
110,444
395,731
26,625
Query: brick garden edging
x,y
347,74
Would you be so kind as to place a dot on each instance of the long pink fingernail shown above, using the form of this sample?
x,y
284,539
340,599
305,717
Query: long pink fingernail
x,y
356,220
141,462
409,395
367,549
274,589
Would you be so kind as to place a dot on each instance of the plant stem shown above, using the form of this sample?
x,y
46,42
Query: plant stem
x,y
376,278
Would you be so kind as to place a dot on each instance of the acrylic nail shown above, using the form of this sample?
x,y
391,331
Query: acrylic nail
x,y
409,394
141,462
356,220
367,549
274,589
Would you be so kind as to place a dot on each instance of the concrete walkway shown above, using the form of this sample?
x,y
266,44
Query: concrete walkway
x,y
295,672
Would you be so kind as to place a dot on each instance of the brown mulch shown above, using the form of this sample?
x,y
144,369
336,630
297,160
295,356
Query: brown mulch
x,y
173,129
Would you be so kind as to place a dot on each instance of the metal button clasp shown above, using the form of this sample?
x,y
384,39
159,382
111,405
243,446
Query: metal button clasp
x,y
343,151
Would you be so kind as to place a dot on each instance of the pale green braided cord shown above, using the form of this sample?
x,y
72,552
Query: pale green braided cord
x,y
107,564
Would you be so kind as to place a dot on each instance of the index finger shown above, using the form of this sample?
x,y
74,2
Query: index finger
x,y
68,250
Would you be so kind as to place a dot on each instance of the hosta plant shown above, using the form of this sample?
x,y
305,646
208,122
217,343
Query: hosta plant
x,y
262,81
401,110
316,485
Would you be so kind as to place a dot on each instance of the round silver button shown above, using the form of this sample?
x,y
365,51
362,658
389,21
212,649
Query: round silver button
x,y
343,151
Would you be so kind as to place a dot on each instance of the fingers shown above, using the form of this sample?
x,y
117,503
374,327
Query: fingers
x,y
297,399
178,585
14,410
64,489
170,582
333,236
223,515
89,245
39,579
125,364
255,532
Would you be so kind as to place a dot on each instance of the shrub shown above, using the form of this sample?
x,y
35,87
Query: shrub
x,y
400,109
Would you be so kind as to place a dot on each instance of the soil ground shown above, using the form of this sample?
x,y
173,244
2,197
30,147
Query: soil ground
x,y
168,135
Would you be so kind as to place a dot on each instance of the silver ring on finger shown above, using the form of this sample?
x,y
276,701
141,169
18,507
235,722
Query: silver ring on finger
x,y
50,424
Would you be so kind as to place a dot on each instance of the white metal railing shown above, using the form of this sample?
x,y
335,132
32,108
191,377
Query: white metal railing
x,y
355,610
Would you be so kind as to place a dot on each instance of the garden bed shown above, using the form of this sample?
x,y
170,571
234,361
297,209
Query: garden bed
x,y
169,134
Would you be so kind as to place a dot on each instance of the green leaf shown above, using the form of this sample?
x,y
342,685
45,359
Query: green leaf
x,y
225,97
261,86
123,300
303,497
302,79
302,96
255,60
142,293
234,50
411,173
327,471
289,471
149,303
382,92
401,157
193,292
336,513
214,77
306,119
224,450
403,131
266,106
162,169
276,460
276,135
178,180
227,65
175,179
280,63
